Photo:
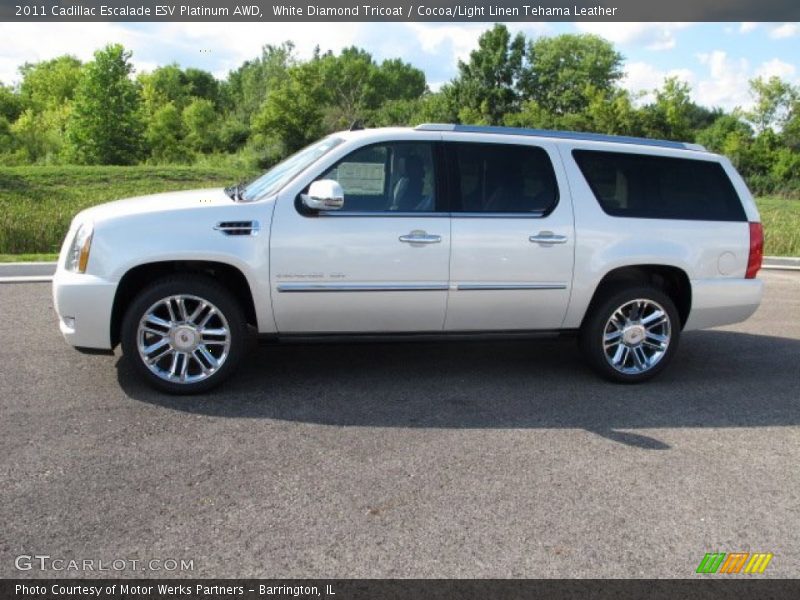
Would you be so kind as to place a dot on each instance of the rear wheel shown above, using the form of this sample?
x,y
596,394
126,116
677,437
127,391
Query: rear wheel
x,y
632,334
184,334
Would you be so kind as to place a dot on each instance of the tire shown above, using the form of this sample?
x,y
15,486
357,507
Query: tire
x,y
631,334
191,348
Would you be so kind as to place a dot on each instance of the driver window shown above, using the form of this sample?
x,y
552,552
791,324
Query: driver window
x,y
395,177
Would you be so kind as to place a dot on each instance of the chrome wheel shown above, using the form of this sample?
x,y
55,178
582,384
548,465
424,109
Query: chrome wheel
x,y
183,339
637,336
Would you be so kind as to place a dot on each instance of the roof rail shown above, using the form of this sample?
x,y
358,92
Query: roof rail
x,y
564,135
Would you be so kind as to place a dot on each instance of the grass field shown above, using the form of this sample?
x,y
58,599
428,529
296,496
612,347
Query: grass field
x,y
38,203
48,257
781,219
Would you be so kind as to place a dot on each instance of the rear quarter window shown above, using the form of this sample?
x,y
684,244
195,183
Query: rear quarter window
x,y
659,187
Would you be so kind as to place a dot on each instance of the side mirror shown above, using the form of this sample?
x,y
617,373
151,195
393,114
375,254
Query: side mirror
x,y
325,194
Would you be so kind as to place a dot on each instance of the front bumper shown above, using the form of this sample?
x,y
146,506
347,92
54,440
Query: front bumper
x,y
723,301
84,304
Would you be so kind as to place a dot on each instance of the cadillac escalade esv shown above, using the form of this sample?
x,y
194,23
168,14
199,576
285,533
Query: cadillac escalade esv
x,y
437,230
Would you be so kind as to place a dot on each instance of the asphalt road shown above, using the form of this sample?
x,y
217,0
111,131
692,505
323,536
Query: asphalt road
x,y
411,460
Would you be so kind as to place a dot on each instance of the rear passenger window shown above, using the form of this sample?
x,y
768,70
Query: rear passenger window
x,y
658,187
499,178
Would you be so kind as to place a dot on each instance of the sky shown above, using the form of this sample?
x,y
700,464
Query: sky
x,y
716,59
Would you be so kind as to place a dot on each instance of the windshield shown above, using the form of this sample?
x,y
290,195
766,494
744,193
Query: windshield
x,y
279,175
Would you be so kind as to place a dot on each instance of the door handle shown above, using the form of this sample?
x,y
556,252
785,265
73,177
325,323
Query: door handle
x,y
547,237
420,237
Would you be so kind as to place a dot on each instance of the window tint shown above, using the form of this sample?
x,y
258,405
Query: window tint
x,y
657,187
502,178
387,177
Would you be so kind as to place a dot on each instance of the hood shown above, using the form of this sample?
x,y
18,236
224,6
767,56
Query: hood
x,y
155,203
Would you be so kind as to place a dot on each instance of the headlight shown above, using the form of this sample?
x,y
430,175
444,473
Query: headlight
x,y
78,253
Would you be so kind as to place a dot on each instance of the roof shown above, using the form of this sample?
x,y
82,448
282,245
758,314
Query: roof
x,y
564,135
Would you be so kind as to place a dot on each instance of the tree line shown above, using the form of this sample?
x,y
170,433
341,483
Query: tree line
x,y
64,111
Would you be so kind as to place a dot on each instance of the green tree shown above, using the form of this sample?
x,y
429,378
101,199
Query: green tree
x,y
614,112
786,171
5,135
233,134
428,108
531,114
435,108
202,84
349,86
105,126
292,113
486,88
332,91
165,134
200,122
731,136
164,85
246,88
774,103
398,80
49,84
564,73
38,137
669,117
395,112
243,95
717,137
10,103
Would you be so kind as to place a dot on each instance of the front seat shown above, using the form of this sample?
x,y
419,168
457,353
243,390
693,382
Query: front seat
x,y
407,194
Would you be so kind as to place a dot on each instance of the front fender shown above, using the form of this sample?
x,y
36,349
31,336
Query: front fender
x,y
120,245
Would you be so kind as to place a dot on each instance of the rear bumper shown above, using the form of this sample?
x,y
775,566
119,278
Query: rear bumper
x,y
83,304
723,301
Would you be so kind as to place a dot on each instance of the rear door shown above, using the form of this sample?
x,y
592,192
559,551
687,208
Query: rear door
x,y
512,236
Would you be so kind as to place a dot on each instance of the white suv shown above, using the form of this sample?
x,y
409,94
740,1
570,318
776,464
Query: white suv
x,y
439,230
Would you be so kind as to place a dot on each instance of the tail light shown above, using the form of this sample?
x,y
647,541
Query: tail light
x,y
756,250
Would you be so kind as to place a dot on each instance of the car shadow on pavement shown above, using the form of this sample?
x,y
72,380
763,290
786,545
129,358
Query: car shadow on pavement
x,y
717,379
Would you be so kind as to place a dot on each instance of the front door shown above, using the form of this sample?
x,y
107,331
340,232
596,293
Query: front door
x,y
513,237
380,263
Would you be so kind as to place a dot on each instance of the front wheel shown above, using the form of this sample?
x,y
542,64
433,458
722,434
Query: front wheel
x,y
184,334
632,334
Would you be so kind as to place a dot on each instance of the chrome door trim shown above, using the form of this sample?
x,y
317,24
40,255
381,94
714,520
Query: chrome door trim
x,y
361,287
471,287
533,214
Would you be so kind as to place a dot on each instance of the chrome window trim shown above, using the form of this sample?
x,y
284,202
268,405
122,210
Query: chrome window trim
x,y
361,287
499,215
378,213
438,215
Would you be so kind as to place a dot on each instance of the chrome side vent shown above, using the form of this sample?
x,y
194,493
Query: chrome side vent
x,y
238,227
